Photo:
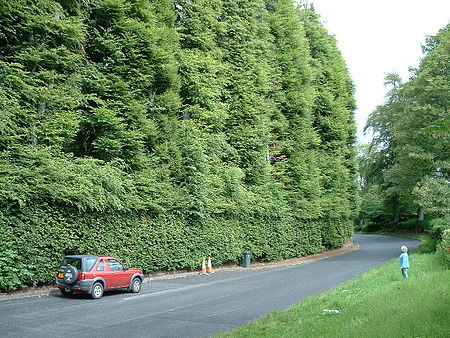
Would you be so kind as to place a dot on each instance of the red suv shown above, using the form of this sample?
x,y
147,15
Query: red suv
x,y
95,274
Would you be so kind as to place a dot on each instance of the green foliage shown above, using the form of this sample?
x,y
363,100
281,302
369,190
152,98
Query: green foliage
x,y
372,205
433,193
162,132
444,246
14,271
332,118
37,175
437,228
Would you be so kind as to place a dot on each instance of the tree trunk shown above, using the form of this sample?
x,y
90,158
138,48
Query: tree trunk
x,y
420,214
42,107
396,212
420,218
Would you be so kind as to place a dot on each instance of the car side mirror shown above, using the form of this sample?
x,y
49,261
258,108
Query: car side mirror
x,y
125,267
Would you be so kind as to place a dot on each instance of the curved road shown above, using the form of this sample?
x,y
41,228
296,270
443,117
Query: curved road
x,y
192,306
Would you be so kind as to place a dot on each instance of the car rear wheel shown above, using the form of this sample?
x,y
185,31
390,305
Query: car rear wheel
x,y
97,291
66,291
136,285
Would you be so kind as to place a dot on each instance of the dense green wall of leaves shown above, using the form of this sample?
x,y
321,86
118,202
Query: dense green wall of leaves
x,y
165,131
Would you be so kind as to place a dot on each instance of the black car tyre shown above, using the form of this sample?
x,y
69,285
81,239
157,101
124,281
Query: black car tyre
x,y
66,291
97,290
136,285
70,274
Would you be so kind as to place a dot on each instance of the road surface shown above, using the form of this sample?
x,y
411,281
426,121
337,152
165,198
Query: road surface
x,y
192,306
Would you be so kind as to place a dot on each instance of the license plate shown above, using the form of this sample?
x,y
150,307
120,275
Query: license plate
x,y
60,275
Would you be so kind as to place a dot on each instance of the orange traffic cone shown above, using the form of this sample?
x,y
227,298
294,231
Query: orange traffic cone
x,y
203,271
209,269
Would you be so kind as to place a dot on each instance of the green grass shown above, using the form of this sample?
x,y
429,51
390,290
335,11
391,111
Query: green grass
x,y
379,303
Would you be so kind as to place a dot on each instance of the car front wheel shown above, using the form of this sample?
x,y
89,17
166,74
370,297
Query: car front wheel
x,y
97,291
136,285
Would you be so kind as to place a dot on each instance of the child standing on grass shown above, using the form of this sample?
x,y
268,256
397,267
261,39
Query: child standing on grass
x,y
404,261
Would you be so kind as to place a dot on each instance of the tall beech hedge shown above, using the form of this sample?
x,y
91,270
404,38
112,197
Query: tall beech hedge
x,y
164,131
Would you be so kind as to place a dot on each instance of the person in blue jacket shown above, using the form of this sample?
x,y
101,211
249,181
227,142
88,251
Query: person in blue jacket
x,y
404,261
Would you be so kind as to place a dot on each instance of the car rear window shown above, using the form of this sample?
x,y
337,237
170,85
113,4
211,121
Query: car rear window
x,y
90,261
76,262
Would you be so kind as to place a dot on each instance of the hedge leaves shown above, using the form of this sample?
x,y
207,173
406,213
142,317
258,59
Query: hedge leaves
x,y
165,131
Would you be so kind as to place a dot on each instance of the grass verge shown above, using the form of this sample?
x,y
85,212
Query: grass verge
x,y
379,303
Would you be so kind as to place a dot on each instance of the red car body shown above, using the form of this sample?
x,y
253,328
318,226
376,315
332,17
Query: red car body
x,y
94,274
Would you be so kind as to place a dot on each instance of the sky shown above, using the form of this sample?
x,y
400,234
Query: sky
x,y
380,37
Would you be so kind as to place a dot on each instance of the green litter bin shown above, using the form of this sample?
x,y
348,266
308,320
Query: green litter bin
x,y
246,259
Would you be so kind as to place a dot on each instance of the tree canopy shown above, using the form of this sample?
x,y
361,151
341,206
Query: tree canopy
x,y
408,160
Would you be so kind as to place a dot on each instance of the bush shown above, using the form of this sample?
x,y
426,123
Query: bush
x,y
372,226
437,228
13,272
444,247
37,236
410,225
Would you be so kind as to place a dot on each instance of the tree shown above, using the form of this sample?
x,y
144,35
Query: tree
x,y
414,157
130,79
40,48
294,148
334,121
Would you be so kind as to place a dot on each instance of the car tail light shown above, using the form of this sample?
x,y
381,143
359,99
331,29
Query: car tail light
x,y
83,276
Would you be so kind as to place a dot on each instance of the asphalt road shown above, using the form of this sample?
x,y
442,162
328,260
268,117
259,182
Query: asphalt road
x,y
192,306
